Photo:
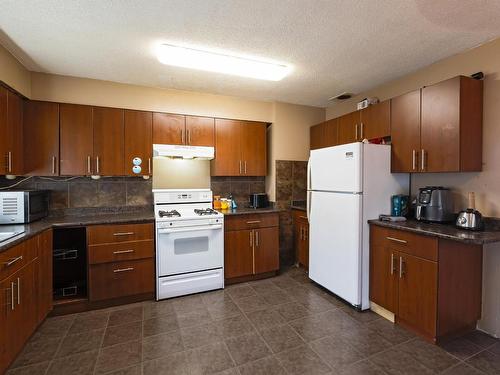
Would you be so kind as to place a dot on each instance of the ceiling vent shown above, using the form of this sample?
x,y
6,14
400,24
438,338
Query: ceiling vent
x,y
342,96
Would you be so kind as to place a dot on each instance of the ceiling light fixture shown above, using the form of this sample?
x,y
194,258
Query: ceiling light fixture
x,y
220,63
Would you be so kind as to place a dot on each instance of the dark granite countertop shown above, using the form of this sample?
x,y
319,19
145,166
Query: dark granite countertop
x,y
447,231
248,211
32,229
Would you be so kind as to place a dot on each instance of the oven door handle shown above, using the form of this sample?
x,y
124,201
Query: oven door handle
x,y
189,229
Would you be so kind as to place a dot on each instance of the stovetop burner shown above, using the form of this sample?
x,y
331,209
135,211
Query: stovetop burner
x,y
170,213
204,212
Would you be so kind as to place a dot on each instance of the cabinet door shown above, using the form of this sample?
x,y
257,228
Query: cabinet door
x,y
9,319
440,127
253,148
77,140
200,131
348,128
108,127
138,141
238,253
316,134
14,137
384,277
375,121
227,161
41,141
330,134
418,293
169,129
44,274
304,259
266,242
405,132
3,130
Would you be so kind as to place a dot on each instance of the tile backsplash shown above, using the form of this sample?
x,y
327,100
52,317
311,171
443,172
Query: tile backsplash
x,y
239,187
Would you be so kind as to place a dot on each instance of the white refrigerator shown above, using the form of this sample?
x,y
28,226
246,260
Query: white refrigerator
x,y
347,185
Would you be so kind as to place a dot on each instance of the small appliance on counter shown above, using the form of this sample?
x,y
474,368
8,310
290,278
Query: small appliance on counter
x,y
399,205
258,200
470,219
435,204
23,206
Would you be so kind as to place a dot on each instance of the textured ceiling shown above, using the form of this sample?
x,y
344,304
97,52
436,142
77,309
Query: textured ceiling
x,y
333,45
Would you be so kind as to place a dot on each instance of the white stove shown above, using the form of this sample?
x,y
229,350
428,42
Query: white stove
x,y
189,243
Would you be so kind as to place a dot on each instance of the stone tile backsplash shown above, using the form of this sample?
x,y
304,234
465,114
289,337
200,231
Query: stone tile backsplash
x,y
239,187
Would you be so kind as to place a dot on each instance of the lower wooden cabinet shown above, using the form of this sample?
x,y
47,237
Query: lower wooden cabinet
x,y
24,297
301,236
432,286
251,245
121,260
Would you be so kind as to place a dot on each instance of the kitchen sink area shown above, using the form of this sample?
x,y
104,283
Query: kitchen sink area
x,y
6,235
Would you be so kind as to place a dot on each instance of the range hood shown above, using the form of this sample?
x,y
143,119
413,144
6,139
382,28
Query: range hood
x,y
184,152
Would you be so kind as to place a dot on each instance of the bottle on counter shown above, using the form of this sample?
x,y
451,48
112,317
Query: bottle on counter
x,y
233,204
217,202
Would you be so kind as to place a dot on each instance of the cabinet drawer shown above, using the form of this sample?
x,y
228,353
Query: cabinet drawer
x,y
119,279
251,221
17,257
420,246
114,252
300,217
100,234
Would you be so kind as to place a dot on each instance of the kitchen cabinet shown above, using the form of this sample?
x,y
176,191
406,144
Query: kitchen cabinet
x,y
76,140
432,286
44,274
375,121
348,128
251,246
121,261
438,128
324,134
11,132
41,143
138,135
240,148
108,127
174,129
301,236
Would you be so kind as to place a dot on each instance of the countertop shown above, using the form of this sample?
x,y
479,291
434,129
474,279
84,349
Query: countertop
x,y
447,231
299,205
249,211
32,229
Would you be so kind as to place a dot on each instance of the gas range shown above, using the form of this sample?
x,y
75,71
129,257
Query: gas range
x,y
189,243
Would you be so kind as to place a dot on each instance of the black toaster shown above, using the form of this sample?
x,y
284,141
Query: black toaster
x,y
258,200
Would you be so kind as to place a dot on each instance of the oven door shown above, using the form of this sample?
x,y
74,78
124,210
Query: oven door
x,y
189,249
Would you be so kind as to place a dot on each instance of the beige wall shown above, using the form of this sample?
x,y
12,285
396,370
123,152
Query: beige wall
x,y
13,73
288,136
486,184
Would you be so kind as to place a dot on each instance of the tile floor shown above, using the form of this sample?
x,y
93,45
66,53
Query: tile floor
x,y
283,325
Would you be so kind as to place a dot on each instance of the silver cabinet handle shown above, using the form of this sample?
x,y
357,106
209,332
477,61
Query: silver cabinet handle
x,y
189,136
306,234
182,136
392,264
257,238
422,161
89,162
149,165
123,251
12,306
302,233
245,167
97,164
253,259
396,240
414,159
240,166
18,291
401,264
253,222
10,161
362,130
53,165
123,269
123,234
251,238
13,260
356,132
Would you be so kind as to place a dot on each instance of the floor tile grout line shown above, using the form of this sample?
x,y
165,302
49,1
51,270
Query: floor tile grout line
x,y
100,345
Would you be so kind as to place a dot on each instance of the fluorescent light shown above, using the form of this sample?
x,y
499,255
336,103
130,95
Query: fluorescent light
x,y
220,63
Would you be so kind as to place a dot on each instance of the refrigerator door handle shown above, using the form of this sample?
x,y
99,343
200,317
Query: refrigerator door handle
x,y
308,206
309,174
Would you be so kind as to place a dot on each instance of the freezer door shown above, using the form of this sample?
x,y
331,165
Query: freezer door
x,y
337,168
335,243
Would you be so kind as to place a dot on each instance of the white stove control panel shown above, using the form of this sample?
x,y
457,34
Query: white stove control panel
x,y
182,196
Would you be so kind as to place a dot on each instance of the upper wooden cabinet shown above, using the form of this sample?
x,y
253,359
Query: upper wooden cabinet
x,y
375,121
324,134
138,141
182,130
77,140
109,131
41,143
11,133
240,148
405,132
349,128
438,128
